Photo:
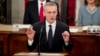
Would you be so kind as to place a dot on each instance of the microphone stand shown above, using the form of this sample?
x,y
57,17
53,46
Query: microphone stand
x,y
40,39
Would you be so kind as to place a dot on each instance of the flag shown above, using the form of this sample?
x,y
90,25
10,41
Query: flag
x,y
71,12
68,12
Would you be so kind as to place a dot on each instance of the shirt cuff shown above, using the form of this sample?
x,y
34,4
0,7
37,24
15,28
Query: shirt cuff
x,y
30,42
66,43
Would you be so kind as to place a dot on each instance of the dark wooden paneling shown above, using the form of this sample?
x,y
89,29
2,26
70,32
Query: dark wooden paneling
x,y
4,43
83,46
18,43
98,46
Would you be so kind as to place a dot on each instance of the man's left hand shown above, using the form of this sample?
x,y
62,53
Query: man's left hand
x,y
66,36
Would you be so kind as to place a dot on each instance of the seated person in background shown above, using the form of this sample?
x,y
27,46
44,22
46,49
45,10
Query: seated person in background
x,y
32,11
89,14
54,34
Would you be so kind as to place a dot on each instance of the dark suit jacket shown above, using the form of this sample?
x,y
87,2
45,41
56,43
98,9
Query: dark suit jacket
x,y
58,41
31,12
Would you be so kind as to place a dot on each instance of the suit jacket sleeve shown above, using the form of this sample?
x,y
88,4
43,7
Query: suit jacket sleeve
x,y
69,46
36,37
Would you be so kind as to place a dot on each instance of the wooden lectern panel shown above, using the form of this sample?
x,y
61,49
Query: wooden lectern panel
x,y
41,54
98,46
17,43
4,43
84,44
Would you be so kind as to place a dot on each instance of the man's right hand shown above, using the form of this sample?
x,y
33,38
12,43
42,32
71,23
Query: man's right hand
x,y
30,33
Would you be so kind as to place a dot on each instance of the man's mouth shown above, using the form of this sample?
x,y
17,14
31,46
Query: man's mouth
x,y
52,18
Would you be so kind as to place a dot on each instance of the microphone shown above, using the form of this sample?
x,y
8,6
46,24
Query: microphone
x,y
41,30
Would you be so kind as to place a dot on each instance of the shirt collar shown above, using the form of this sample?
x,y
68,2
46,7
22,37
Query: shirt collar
x,y
53,24
42,2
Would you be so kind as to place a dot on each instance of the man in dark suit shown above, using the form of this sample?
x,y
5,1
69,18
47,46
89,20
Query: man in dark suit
x,y
51,33
32,11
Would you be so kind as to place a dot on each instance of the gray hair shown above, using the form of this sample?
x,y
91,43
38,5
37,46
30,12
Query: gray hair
x,y
50,4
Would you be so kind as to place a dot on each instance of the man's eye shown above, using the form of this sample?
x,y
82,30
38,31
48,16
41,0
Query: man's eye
x,y
54,12
49,12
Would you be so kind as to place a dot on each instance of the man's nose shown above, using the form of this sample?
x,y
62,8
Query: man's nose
x,y
52,14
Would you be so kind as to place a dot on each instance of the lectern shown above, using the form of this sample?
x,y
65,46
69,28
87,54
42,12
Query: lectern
x,y
41,54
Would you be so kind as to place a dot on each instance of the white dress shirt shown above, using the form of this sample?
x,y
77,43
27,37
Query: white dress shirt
x,y
53,28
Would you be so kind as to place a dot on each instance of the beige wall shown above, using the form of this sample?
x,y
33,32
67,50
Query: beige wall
x,y
78,4
17,11
59,2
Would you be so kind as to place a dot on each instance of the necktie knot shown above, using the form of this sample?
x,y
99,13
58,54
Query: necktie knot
x,y
41,4
50,26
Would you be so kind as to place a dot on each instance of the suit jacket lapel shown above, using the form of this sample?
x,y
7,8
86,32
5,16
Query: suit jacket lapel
x,y
44,31
56,30
55,35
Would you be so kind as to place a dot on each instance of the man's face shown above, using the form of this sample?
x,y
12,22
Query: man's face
x,y
50,13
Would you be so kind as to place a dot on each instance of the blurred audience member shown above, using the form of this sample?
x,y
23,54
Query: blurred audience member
x,y
89,14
